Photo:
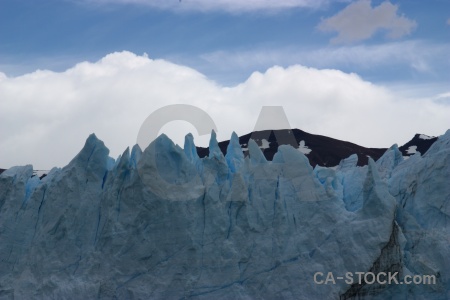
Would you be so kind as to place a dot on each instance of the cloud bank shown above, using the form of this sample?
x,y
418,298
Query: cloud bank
x,y
233,6
360,21
416,55
46,116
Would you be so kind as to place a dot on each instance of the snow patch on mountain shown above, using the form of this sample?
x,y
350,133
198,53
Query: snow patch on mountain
x,y
303,149
425,137
411,150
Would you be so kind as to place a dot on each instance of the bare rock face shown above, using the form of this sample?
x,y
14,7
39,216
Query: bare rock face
x,y
166,224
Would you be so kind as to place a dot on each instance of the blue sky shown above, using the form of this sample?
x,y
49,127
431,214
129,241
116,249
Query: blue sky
x,y
56,34
400,46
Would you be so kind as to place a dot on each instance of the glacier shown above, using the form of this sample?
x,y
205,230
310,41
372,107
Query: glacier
x,y
164,224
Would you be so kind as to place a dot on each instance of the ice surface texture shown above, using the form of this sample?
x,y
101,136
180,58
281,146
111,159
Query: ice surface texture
x,y
165,224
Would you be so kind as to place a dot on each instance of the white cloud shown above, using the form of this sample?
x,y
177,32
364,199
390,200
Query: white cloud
x,y
443,97
46,116
222,5
419,56
359,21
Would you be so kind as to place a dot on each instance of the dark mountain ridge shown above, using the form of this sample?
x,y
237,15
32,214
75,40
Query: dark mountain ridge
x,y
320,150
420,143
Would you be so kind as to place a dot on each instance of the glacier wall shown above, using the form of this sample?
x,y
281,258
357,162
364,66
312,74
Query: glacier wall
x,y
165,224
